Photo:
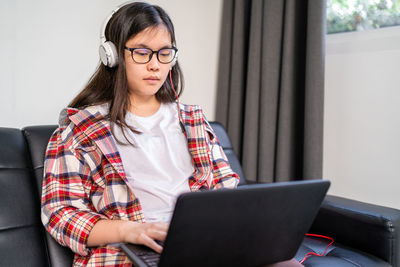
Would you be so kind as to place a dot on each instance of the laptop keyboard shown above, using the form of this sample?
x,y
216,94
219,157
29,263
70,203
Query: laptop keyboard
x,y
149,257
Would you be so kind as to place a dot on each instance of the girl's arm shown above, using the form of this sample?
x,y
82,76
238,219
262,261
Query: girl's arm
x,y
116,231
65,212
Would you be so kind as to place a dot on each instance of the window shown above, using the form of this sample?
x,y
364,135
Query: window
x,y
356,15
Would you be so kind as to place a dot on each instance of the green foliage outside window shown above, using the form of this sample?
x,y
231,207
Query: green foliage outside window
x,y
355,15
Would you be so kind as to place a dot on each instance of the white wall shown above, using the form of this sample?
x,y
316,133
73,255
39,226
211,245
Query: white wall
x,y
50,50
362,115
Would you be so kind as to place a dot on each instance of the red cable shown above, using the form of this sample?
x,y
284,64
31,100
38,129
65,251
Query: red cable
x,y
315,254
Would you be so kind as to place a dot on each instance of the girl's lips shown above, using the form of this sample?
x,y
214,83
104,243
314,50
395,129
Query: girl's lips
x,y
152,80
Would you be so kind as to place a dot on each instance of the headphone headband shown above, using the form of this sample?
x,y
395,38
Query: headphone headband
x,y
104,26
107,19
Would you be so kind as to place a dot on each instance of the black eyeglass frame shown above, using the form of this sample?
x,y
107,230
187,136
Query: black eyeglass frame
x,y
152,53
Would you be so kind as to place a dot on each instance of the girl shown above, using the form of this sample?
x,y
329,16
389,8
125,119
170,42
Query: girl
x,y
125,148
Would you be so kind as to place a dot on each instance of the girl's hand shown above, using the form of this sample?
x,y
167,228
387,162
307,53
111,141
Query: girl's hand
x,y
144,234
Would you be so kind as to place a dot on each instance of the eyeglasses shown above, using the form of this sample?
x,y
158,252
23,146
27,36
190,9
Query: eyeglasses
x,y
144,55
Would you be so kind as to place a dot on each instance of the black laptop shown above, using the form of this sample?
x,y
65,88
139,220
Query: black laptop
x,y
252,225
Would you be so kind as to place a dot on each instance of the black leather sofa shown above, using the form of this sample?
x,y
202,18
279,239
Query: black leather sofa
x,y
365,235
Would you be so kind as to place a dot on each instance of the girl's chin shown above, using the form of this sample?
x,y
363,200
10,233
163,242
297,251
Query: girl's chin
x,y
150,92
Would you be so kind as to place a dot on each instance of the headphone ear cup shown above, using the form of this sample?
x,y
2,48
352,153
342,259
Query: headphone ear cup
x,y
173,62
108,54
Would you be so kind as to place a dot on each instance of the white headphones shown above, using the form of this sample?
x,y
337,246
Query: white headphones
x,y
107,50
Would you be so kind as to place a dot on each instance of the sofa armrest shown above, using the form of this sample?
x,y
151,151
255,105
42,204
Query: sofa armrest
x,y
370,228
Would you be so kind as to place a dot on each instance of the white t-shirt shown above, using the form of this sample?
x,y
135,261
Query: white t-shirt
x,y
159,164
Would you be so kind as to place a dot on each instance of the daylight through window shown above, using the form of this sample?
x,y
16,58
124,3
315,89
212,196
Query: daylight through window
x,y
356,15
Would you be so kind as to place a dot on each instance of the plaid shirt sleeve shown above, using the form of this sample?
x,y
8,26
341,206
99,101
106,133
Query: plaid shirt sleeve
x,y
223,175
66,212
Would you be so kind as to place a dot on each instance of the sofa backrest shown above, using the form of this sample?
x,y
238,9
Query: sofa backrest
x,y
22,241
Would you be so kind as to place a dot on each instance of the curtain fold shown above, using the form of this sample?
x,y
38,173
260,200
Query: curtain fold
x,y
271,86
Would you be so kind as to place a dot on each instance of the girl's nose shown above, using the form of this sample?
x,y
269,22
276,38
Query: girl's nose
x,y
153,64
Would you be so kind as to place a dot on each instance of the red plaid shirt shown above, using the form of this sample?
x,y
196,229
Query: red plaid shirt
x,y
84,180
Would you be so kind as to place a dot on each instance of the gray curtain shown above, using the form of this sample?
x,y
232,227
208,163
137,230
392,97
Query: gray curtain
x,y
271,86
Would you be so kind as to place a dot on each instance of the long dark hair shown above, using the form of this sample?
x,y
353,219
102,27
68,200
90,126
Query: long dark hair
x,y
109,85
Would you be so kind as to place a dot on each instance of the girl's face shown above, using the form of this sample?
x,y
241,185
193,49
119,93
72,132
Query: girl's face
x,y
144,80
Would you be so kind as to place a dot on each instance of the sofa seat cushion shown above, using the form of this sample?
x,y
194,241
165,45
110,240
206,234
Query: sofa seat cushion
x,y
336,255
